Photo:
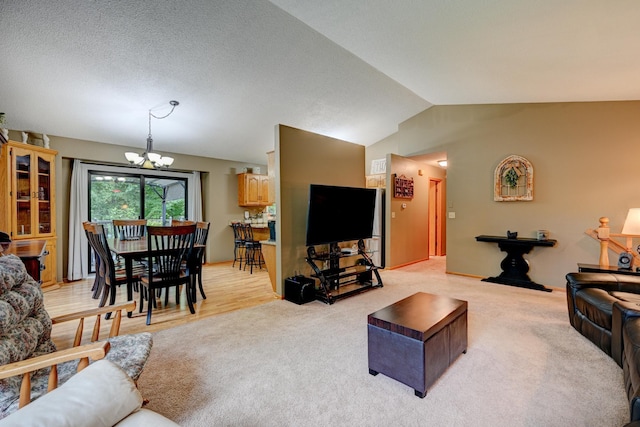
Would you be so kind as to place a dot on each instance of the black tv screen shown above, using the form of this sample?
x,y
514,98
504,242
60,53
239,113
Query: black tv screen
x,y
339,214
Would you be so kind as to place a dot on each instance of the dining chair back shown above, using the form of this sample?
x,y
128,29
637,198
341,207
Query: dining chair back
x,y
109,277
175,222
196,258
98,282
167,247
129,229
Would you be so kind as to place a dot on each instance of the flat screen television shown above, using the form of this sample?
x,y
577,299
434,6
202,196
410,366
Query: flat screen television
x,y
339,214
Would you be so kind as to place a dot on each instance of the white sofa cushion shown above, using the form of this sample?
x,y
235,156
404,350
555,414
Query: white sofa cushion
x,y
102,394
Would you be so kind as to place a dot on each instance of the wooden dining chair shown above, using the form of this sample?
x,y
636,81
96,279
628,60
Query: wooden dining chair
x,y
196,258
129,229
108,275
167,247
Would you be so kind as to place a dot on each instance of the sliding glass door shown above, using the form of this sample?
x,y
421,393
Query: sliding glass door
x,y
114,197
164,200
134,196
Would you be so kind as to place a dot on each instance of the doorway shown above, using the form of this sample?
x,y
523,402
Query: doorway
x,y
437,246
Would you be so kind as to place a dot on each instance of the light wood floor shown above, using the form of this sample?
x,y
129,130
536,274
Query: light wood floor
x,y
226,287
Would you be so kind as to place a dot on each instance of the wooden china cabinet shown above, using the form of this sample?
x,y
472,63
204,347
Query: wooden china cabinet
x,y
27,182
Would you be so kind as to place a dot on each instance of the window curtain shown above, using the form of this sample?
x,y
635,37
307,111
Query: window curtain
x,y
195,198
78,265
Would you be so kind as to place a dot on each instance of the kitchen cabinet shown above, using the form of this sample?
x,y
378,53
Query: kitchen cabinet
x,y
27,181
253,190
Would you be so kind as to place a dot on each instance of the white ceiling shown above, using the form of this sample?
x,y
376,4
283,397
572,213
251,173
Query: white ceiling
x,y
351,69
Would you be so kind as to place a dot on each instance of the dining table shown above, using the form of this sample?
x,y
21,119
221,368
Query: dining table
x,y
129,250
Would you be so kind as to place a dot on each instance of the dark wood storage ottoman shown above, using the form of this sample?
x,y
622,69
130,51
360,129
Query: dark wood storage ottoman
x,y
416,339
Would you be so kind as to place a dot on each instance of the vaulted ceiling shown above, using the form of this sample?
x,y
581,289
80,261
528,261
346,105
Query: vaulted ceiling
x,y
351,69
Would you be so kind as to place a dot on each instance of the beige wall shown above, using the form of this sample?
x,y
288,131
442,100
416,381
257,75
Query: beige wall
x,y
219,181
304,158
584,157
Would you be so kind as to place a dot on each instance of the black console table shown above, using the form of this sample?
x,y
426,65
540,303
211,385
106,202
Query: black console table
x,y
514,266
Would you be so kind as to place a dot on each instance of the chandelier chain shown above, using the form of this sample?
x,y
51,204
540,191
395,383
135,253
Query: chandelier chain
x,y
150,159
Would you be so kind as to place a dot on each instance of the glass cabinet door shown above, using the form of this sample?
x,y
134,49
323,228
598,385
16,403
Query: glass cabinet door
x,y
44,196
34,181
24,194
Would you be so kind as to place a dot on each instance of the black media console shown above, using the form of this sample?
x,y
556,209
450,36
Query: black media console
x,y
339,281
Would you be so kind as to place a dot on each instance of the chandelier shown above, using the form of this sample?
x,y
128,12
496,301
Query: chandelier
x,y
150,159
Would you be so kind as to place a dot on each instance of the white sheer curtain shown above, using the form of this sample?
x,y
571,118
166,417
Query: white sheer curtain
x,y
78,266
195,198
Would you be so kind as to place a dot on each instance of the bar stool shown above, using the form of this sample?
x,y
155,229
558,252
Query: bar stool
x,y
253,249
239,248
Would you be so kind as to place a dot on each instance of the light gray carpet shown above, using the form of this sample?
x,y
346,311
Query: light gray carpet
x,y
281,364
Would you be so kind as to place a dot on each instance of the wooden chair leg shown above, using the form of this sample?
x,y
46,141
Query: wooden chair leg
x,y
200,285
150,305
105,295
189,301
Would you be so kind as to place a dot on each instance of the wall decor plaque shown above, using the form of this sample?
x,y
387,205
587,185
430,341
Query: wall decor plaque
x,y
513,180
402,187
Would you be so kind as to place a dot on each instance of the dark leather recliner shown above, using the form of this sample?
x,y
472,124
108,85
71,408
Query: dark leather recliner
x,y
590,300
605,308
631,363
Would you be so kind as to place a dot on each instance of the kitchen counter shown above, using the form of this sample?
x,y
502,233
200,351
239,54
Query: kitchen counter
x,y
269,255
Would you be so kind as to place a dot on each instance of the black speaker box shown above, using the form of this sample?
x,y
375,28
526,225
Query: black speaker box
x,y
299,289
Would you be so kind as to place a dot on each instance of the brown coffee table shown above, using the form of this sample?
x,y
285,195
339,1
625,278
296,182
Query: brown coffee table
x,y
416,339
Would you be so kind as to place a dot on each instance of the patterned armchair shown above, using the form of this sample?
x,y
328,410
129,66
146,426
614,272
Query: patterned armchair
x,y
27,351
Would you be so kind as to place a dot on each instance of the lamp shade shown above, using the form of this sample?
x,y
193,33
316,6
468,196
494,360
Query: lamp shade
x,y
132,157
632,223
167,161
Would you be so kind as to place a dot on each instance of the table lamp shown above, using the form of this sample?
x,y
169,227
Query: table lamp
x,y
631,228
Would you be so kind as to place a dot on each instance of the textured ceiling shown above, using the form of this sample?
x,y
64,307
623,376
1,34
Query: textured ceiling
x,y
351,69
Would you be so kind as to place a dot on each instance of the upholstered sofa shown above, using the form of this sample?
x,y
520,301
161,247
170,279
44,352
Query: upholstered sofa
x,y
100,395
605,308
25,336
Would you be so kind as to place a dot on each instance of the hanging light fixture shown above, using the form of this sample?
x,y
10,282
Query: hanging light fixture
x,y
150,159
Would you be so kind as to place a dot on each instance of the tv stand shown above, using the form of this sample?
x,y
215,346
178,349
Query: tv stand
x,y
337,281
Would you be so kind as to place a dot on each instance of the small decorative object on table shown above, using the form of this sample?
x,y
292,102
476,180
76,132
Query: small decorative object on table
x,y
625,260
542,234
512,234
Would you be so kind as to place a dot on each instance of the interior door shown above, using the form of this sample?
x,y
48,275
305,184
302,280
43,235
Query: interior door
x,y
436,228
